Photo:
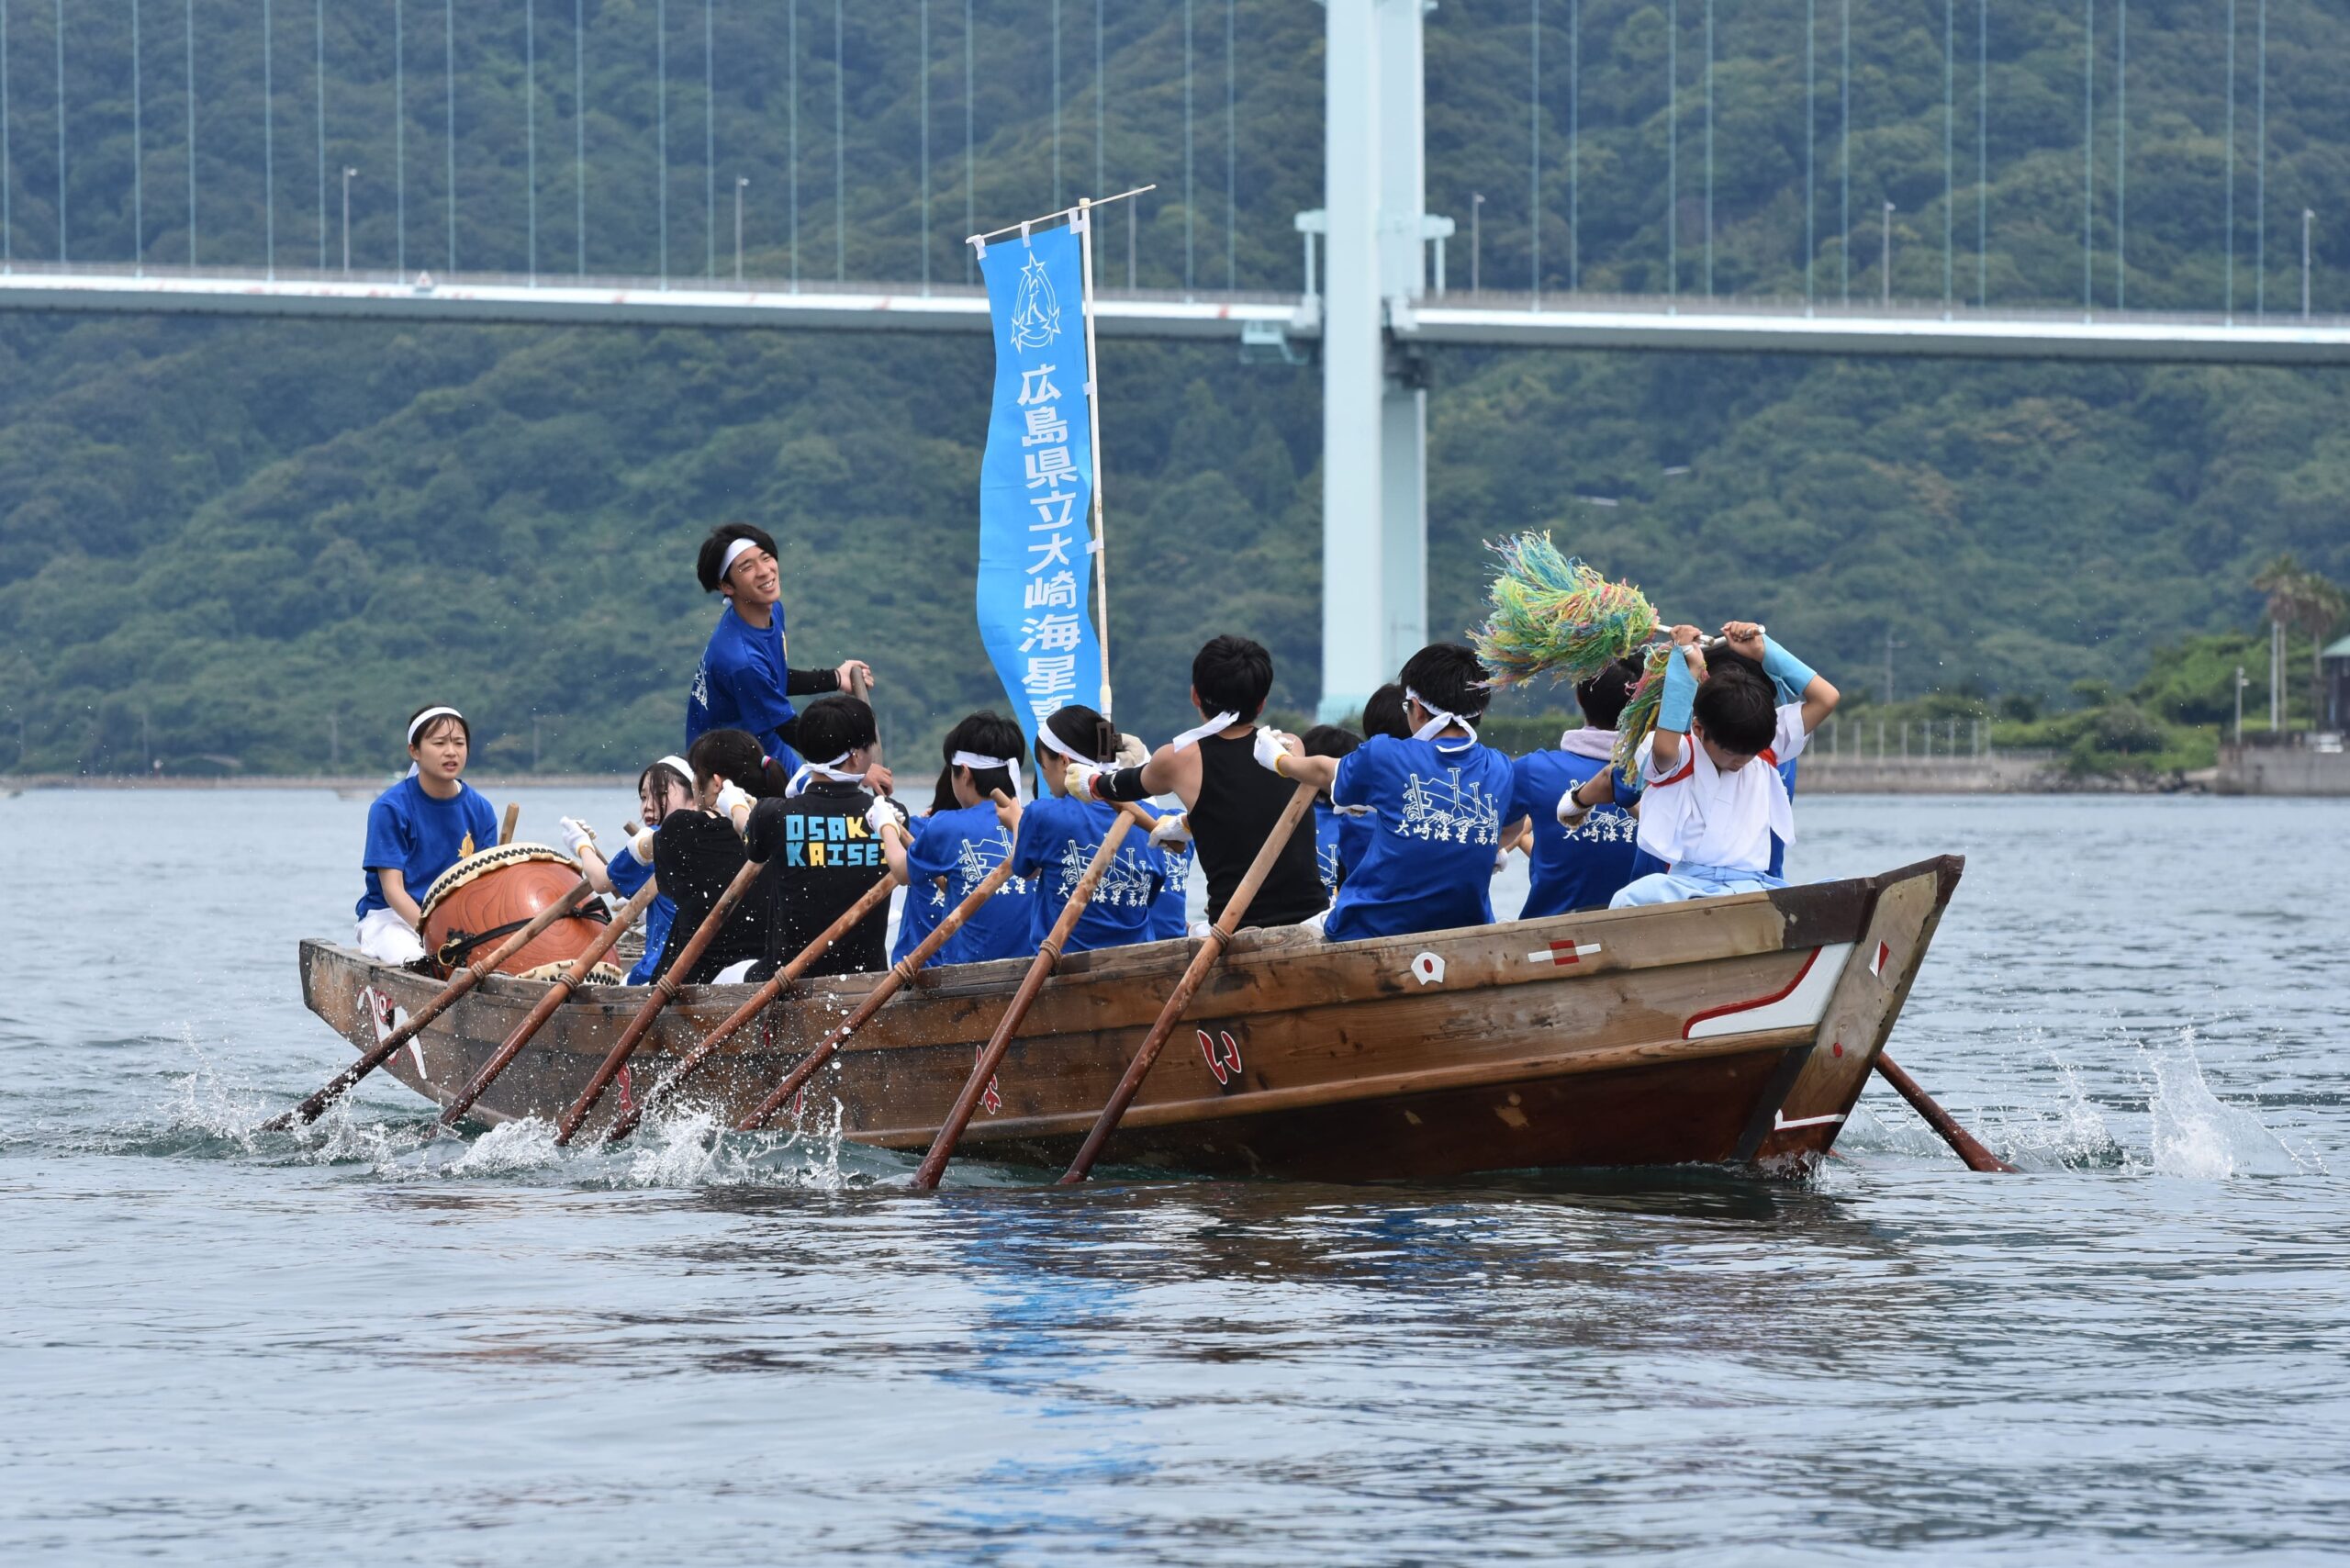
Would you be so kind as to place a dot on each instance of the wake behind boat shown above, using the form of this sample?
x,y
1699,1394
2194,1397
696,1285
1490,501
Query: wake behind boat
x,y
1737,1030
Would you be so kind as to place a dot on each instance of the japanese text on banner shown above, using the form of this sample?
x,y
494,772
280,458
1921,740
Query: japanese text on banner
x,y
1036,481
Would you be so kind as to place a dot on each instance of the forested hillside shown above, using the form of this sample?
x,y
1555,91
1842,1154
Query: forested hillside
x,y
268,541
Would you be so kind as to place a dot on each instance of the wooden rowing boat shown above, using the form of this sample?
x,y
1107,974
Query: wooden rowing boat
x,y
1737,1030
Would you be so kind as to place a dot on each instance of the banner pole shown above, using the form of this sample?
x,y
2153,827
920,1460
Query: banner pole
x,y
1093,419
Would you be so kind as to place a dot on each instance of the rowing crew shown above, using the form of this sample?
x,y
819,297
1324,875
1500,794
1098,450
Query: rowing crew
x,y
1415,816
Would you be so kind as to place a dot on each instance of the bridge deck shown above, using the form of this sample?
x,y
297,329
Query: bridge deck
x,y
1489,319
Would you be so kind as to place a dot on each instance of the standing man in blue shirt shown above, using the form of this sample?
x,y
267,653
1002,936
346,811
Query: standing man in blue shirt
x,y
743,683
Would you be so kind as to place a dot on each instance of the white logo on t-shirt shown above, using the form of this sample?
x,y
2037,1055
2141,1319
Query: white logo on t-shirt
x,y
1446,809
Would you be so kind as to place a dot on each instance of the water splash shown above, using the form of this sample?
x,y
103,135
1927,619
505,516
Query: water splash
x,y
2193,1133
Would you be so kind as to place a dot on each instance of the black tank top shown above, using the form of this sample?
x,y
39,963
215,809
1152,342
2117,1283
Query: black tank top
x,y
1238,804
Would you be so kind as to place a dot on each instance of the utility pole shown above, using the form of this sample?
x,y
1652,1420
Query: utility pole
x,y
1890,645
2276,676
534,743
1884,265
740,181
1133,207
334,743
1476,237
349,174
2242,681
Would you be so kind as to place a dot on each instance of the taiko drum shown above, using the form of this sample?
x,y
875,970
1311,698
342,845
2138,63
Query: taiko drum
x,y
485,898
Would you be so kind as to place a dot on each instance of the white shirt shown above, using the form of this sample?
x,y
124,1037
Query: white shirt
x,y
1694,812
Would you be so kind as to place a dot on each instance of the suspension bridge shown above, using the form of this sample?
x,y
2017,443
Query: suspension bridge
x,y
1373,277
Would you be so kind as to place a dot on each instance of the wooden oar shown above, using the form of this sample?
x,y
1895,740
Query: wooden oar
x,y
464,980
1961,1141
557,995
883,989
966,1103
513,815
666,1085
1219,937
665,990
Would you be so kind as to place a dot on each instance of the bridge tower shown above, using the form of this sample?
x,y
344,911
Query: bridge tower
x,y
1375,396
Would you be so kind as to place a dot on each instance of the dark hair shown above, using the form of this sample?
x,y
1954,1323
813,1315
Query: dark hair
x,y
983,734
735,756
1737,707
1383,714
1232,675
1329,740
667,776
1448,676
1602,698
833,726
426,734
1083,730
713,551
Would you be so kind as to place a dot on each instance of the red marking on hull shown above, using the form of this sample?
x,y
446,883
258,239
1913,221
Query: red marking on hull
x,y
1779,995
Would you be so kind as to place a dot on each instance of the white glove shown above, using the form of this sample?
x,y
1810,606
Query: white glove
x,y
1501,859
1270,745
734,801
1132,752
1173,828
1079,780
1572,811
883,813
640,844
577,835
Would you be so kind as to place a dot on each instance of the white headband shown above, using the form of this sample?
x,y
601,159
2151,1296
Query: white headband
x,y
1438,720
734,553
1199,733
427,717
679,766
979,764
1044,733
831,771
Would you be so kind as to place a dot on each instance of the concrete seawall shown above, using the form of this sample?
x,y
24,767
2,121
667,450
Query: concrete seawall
x,y
2282,771
1992,773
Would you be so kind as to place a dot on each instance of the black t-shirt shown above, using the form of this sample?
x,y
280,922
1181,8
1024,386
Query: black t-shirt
x,y
695,855
820,857
1239,804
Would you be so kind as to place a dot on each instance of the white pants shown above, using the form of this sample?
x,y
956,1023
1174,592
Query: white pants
x,y
386,938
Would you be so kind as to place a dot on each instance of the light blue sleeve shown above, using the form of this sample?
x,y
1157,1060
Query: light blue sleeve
x,y
1680,695
1788,673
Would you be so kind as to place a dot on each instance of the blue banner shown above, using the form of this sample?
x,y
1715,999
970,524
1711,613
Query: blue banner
x,y
1036,481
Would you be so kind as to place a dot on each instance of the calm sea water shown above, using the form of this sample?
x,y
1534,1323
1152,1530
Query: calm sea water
x,y
360,1346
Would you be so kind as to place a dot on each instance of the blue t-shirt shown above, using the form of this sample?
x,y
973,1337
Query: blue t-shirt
x,y
962,845
1327,822
1170,913
419,837
1436,822
740,685
1582,869
1058,838
628,874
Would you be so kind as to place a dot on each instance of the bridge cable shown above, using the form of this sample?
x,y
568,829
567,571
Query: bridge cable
x,y
449,64
1231,153
1709,148
399,134
1982,155
60,131
138,150
530,134
268,147
1191,206
710,138
579,133
1534,156
840,159
661,98
1844,162
2121,149
1672,149
924,66
318,83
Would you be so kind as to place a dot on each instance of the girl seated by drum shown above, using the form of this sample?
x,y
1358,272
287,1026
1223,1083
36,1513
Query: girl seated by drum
x,y
668,786
417,829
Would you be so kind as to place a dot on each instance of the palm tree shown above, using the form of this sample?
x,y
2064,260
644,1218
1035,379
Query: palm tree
x,y
2305,601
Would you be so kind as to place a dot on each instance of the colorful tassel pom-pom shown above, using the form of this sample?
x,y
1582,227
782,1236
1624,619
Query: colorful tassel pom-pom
x,y
1638,717
1552,615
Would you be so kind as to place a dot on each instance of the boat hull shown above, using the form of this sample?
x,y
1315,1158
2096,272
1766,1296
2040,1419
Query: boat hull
x,y
1736,1030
